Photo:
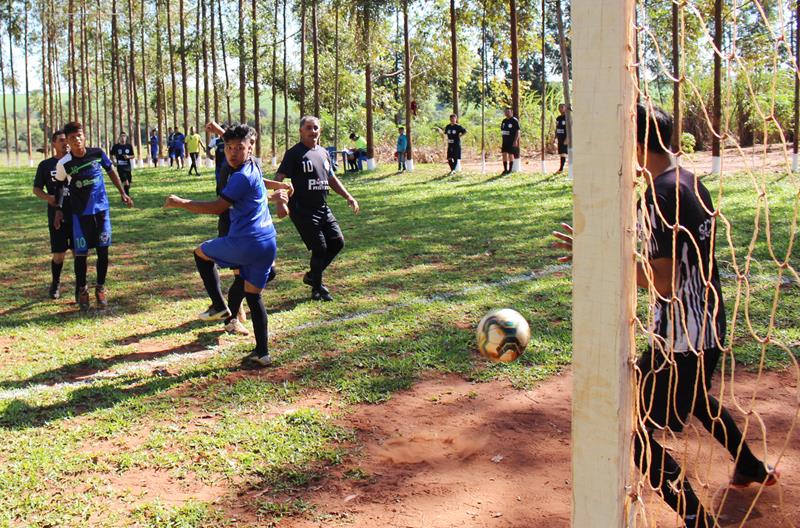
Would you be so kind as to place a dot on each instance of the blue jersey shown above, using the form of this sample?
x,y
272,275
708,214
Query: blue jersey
x,y
154,144
247,194
179,140
87,188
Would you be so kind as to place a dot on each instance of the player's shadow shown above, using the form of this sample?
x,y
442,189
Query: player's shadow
x,y
736,507
162,332
86,369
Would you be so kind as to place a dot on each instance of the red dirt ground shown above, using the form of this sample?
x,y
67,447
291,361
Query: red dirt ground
x,y
450,453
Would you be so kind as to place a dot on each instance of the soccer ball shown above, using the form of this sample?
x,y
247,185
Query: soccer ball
x,y
503,335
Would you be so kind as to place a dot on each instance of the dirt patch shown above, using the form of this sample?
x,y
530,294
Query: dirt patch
x,y
452,453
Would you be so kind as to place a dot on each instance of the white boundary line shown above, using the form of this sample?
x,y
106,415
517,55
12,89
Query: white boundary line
x,y
176,358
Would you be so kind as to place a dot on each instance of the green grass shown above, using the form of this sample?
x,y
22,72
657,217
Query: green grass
x,y
423,262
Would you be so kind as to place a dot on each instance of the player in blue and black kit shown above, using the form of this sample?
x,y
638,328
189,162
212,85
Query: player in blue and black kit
x,y
82,170
250,245
122,154
154,144
178,142
46,187
309,168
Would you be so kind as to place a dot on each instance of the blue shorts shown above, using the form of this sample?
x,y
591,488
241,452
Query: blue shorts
x,y
91,231
252,256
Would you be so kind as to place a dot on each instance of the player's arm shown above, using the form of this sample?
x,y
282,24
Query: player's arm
x,y
338,187
276,185
281,206
49,198
61,183
217,207
212,127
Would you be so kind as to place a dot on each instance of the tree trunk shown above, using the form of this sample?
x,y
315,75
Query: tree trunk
x,y
483,88
184,75
795,140
171,52
86,75
454,53
368,80
137,132
274,82
5,115
285,85
116,92
514,60
336,77
161,114
676,84
316,57
242,67
98,73
144,87
544,89
110,75
72,87
213,46
27,89
128,96
197,48
303,58
256,92
45,85
204,29
224,60
716,117
407,73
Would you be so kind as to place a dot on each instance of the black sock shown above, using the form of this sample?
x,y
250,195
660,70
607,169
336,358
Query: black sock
x,y
210,275
80,271
55,269
102,265
259,316
561,167
505,167
235,296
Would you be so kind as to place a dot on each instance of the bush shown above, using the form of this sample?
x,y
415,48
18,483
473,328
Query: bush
x,y
688,142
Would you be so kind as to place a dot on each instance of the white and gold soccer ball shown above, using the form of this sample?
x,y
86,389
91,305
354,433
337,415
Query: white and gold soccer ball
x,y
503,335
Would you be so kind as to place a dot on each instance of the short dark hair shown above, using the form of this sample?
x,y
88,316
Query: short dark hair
x,y
55,134
238,132
353,135
402,129
654,126
72,127
454,115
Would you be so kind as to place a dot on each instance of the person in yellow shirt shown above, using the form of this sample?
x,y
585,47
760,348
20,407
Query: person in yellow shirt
x,y
193,145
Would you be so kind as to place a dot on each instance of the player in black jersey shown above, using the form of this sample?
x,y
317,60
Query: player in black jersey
x,y
561,135
308,165
122,154
46,187
510,132
675,371
453,132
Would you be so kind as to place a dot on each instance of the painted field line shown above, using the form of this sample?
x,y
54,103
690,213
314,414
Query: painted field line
x,y
177,358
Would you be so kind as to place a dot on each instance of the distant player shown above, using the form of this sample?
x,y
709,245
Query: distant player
x,y
453,132
171,146
122,154
154,146
402,149
561,135
46,187
510,132
82,171
250,245
179,145
309,168
193,145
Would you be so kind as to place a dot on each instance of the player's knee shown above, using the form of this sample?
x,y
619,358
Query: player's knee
x,y
251,288
58,258
198,253
335,244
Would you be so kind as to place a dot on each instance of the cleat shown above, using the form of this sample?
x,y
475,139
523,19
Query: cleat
x,y
235,327
212,314
100,296
272,274
82,298
768,477
55,290
261,361
321,295
307,280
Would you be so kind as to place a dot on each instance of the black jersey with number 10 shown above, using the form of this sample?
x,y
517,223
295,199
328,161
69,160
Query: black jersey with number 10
x,y
308,170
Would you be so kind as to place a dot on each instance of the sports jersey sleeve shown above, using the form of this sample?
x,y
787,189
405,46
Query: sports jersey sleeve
x,y
236,187
661,219
288,164
40,178
105,162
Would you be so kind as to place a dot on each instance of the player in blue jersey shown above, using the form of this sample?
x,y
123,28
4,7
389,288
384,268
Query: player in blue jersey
x,y
82,171
46,187
250,244
154,144
179,140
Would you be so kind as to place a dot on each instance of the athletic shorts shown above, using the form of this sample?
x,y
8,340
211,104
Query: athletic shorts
x,y
509,148
60,239
562,147
454,152
154,155
669,392
91,231
173,153
125,174
316,227
252,256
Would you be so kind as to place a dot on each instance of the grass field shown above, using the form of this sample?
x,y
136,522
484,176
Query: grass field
x,y
144,385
